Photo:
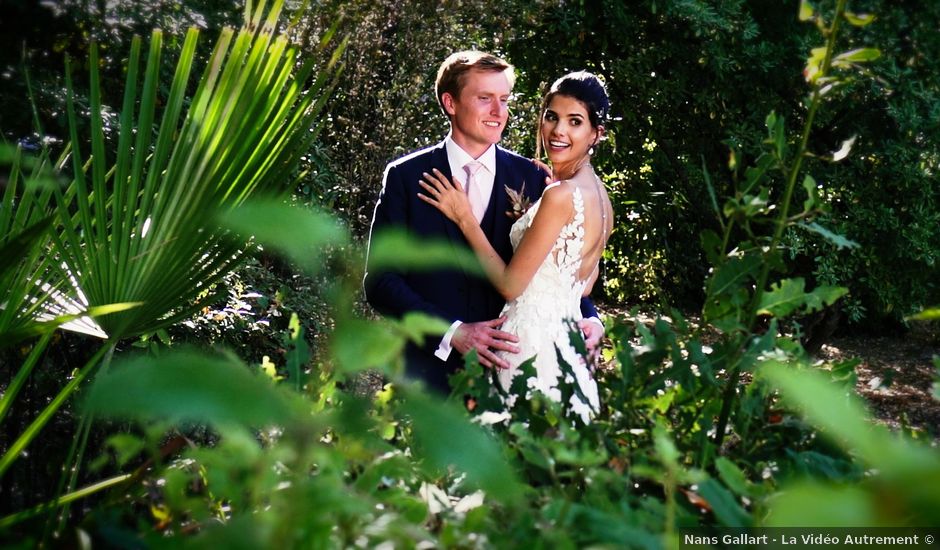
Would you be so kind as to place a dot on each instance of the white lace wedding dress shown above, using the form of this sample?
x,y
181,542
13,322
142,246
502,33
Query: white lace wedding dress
x,y
540,315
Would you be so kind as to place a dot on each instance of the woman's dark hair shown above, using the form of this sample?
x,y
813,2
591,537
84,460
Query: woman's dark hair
x,y
586,88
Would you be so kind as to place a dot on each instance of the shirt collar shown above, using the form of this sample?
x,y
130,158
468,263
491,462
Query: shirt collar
x,y
459,157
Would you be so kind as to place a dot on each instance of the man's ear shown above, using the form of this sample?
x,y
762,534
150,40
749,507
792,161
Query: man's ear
x,y
448,101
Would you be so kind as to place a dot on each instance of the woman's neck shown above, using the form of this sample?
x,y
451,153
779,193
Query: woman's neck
x,y
568,170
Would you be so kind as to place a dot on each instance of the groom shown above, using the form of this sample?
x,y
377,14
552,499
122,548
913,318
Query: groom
x,y
473,89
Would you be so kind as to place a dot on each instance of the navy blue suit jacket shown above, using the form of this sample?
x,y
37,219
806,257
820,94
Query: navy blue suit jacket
x,y
448,294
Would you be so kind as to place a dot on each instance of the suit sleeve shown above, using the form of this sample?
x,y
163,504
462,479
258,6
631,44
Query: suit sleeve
x,y
387,289
587,308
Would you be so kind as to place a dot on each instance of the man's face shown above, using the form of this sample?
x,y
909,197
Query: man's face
x,y
479,115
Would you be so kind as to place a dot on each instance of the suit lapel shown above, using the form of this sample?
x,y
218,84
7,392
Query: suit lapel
x,y
498,226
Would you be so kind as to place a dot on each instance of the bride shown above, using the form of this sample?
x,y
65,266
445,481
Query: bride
x,y
557,243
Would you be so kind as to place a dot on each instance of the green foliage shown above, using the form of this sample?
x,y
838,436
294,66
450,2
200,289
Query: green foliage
x,y
132,245
691,433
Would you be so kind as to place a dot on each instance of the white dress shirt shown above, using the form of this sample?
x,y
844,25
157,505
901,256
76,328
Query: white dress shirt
x,y
485,179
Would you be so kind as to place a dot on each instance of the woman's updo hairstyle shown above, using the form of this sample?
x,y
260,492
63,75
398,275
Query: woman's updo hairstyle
x,y
586,88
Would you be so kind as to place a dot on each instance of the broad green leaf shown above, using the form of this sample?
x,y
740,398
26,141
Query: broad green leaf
x,y
732,476
301,234
724,505
859,19
358,345
818,505
188,386
398,250
416,325
665,448
841,416
836,239
711,244
783,298
753,175
733,274
126,446
445,438
789,295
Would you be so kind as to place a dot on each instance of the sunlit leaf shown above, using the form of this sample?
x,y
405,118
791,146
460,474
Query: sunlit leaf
x,y
814,64
859,19
860,55
930,314
806,10
789,295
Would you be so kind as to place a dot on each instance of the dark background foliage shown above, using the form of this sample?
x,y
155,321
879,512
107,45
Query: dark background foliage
x,y
690,81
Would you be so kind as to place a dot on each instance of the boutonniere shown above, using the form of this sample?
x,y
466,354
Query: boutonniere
x,y
518,202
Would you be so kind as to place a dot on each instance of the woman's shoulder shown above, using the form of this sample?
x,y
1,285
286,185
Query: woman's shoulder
x,y
559,194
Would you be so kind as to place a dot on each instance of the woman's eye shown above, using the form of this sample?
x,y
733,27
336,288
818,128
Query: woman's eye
x,y
575,122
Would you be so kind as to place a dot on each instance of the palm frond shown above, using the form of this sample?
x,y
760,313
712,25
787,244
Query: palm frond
x,y
141,230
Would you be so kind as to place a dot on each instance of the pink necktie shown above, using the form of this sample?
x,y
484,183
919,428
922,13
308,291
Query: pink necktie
x,y
474,193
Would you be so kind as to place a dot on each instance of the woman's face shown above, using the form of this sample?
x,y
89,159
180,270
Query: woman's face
x,y
567,134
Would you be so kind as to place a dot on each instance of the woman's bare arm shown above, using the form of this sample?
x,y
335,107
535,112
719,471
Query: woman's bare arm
x,y
555,210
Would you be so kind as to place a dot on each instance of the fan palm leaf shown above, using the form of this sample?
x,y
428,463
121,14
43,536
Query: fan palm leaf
x,y
140,229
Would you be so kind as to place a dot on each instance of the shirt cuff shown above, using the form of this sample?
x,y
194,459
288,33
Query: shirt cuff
x,y
444,349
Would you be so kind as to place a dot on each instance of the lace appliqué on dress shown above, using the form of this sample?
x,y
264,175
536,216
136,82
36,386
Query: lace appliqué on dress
x,y
540,316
